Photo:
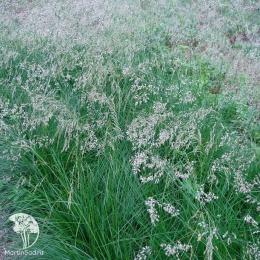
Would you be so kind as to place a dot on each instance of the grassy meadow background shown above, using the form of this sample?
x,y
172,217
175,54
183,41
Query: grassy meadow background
x,y
130,129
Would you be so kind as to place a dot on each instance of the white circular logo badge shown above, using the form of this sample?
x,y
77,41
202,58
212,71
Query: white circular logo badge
x,y
27,227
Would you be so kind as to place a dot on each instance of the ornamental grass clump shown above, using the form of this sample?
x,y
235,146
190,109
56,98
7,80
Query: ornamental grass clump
x,y
130,129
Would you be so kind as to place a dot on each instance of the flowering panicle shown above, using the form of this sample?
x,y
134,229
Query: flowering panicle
x,y
250,220
144,252
154,215
175,250
204,197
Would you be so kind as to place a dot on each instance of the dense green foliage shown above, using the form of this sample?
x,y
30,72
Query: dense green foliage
x,y
124,142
